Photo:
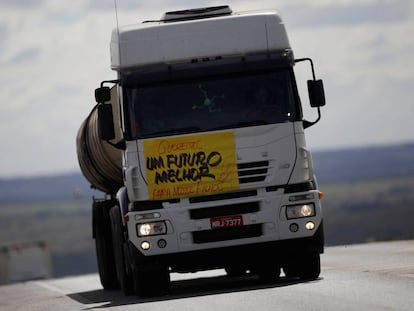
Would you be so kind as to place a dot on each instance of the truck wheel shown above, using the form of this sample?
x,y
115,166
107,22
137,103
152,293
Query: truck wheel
x,y
154,281
312,269
121,260
104,248
106,264
306,266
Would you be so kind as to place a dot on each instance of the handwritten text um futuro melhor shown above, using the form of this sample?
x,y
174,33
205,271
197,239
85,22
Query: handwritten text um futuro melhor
x,y
173,168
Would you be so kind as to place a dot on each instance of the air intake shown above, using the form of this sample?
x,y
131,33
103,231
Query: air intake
x,y
196,13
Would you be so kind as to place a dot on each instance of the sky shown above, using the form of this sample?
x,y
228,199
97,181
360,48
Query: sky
x,y
53,54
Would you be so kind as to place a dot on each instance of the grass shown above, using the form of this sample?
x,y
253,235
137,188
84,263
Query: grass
x,y
369,211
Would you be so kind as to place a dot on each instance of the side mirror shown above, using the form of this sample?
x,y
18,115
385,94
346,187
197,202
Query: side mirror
x,y
103,94
106,128
316,93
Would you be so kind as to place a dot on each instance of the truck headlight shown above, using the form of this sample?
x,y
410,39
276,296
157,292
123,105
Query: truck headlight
x,y
151,228
300,211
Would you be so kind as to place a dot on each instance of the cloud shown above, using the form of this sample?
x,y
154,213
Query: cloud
x,y
110,4
55,53
25,56
351,14
49,71
21,4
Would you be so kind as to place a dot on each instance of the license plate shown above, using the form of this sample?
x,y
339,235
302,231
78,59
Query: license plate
x,y
226,221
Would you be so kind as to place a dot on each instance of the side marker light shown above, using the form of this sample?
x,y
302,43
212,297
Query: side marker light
x,y
321,195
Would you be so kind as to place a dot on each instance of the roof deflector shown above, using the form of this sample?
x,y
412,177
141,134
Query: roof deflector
x,y
196,13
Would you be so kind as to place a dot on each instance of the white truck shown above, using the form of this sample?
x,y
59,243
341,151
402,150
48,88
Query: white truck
x,y
200,148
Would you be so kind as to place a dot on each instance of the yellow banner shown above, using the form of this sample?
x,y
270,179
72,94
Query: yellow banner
x,y
190,166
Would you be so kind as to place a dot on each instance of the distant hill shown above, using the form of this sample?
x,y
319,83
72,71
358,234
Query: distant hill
x,y
363,164
359,164
45,188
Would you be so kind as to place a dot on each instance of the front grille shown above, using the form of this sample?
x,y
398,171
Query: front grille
x,y
224,234
223,196
225,210
252,171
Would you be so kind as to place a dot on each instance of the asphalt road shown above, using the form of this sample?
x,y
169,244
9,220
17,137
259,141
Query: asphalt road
x,y
376,276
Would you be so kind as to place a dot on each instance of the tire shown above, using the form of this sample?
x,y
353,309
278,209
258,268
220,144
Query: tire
x,y
106,264
121,260
104,247
306,266
151,281
313,267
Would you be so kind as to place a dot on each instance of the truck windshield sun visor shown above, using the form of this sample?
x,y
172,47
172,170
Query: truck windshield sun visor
x,y
205,104
207,66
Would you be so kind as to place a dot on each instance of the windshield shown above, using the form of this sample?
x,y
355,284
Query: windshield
x,y
207,104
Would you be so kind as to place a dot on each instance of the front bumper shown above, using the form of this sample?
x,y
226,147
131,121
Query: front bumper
x,y
247,255
189,228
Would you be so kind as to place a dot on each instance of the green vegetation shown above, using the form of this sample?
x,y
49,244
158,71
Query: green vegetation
x,y
369,210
